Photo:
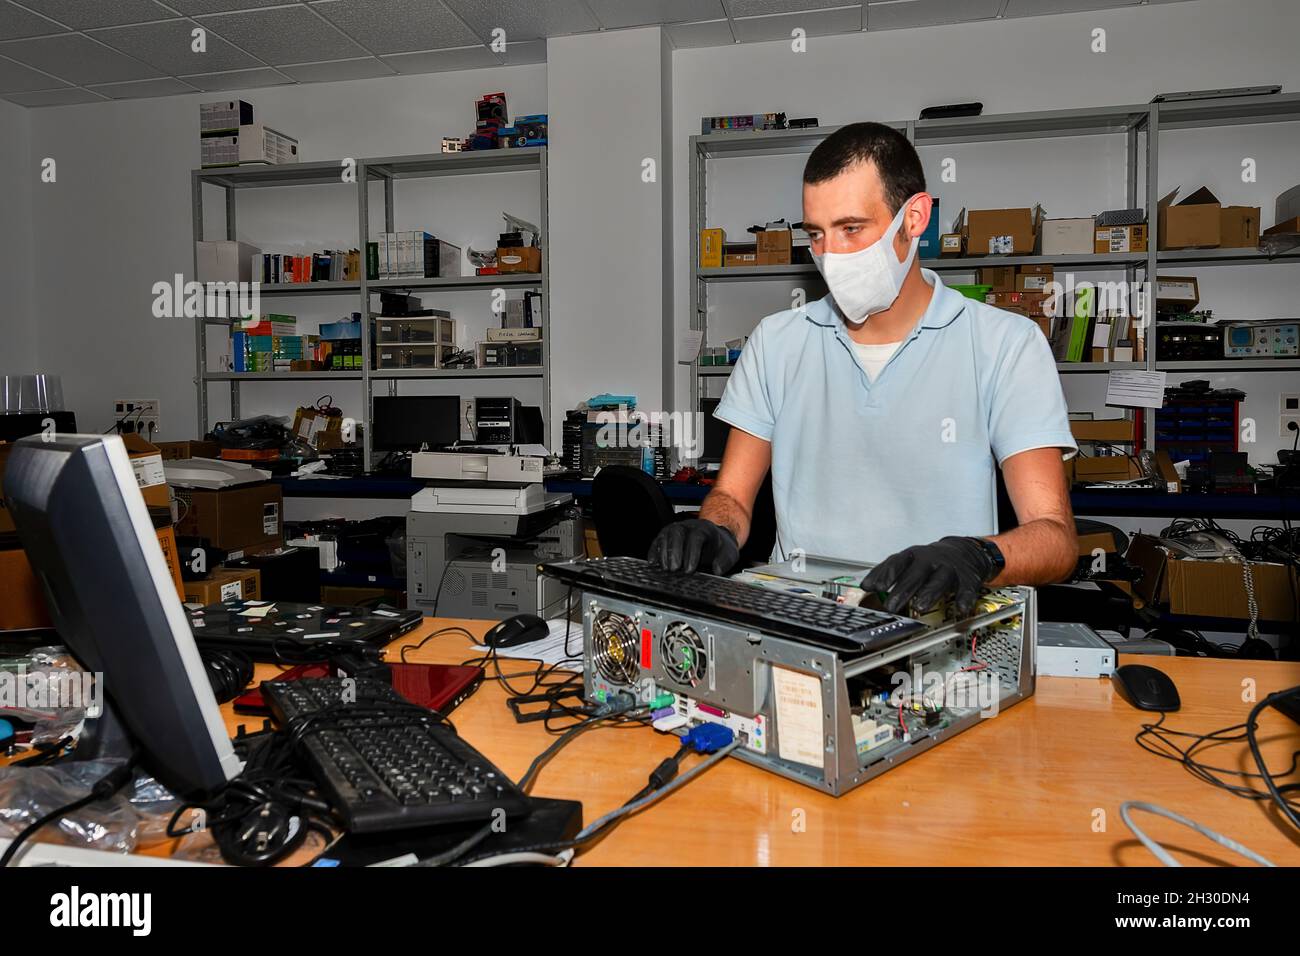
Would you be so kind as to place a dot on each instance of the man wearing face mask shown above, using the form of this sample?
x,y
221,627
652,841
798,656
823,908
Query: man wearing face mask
x,y
882,408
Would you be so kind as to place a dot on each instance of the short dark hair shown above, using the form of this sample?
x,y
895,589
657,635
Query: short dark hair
x,y
894,157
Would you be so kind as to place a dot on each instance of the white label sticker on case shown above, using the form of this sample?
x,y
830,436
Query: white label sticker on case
x,y
798,716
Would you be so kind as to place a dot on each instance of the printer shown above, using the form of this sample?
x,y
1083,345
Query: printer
x,y
476,533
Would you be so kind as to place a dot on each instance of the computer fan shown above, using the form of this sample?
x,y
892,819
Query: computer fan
x,y
615,647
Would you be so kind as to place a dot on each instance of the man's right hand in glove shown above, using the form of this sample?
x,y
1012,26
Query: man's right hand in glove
x,y
696,544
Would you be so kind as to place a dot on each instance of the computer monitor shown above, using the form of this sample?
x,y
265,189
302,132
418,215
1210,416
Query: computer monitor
x,y
715,433
87,533
410,422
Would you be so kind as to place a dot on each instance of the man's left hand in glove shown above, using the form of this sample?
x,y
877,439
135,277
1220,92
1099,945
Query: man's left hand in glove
x,y
924,575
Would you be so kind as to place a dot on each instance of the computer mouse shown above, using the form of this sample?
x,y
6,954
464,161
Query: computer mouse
x,y
513,631
1146,688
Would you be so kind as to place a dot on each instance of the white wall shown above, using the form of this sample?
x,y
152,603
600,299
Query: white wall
x,y
1011,65
119,220
19,176
607,237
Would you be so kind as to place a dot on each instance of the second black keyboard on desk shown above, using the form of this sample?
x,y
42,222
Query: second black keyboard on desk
x,y
385,763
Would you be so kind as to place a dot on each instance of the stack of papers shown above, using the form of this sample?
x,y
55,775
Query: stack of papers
x,y
562,646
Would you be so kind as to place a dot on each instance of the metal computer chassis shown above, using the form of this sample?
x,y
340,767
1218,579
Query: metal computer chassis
x,y
792,704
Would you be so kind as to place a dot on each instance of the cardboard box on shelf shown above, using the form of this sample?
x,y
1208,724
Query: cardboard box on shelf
x,y
225,584
1168,473
711,243
1239,227
1111,239
1103,430
950,244
1067,237
1034,278
1090,544
519,259
147,462
181,450
22,605
1211,588
994,232
232,518
1177,292
1201,222
1284,227
1087,470
999,278
1031,304
740,259
323,432
774,247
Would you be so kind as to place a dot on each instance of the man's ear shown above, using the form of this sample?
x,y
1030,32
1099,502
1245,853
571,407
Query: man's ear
x,y
917,217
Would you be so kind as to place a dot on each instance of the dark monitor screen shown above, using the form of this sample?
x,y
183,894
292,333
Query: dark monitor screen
x,y
83,522
715,433
408,422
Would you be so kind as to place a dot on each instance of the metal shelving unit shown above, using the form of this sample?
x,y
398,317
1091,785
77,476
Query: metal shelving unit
x,y
388,171
1139,124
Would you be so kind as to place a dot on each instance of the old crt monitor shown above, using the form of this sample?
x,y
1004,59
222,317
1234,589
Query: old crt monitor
x,y
83,522
411,422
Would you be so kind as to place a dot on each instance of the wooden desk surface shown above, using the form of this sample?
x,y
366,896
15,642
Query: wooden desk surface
x,y
1041,784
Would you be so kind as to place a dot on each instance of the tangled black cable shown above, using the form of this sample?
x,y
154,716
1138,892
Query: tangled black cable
x,y
1161,740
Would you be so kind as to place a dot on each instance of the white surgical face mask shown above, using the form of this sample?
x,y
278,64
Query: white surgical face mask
x,y
867,281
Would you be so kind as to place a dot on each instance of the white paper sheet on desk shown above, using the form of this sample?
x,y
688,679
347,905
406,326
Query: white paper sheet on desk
x,y
550,649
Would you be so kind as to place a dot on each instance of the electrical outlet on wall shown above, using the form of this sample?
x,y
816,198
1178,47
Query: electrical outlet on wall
x,y
467,419
1290,403
136,415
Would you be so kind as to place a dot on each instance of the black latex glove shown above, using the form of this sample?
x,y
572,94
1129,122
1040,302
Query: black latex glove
x,y
696,544
925,574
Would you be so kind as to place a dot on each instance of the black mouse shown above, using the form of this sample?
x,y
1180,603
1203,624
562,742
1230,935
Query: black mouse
x,y
1146,688
513,631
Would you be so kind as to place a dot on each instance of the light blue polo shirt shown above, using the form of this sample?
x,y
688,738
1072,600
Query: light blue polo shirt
x,y
862,469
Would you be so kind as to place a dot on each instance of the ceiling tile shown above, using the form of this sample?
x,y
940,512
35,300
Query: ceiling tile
x,y
168,46
238,80
15,22
139,89
1033,8
67,97
899,15
442,61
83,15
16,78
284,35
365,68
687,35
397,26
194,7
614,14
528,51
815,22
757,8
525,21
77,59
